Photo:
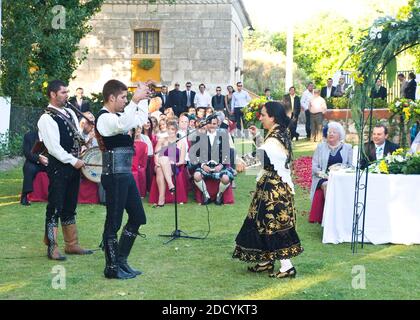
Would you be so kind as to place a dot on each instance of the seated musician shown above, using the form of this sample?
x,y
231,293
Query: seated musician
x,y
211,155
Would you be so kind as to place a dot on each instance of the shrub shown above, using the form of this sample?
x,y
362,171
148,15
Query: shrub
x,y
146,64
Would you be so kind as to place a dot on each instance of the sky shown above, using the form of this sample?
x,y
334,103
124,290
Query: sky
x,y
275,15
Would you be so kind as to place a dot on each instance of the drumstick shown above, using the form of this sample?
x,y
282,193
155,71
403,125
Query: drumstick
x,y
93,165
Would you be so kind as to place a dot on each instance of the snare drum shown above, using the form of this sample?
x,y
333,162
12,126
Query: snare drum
x,y
93,168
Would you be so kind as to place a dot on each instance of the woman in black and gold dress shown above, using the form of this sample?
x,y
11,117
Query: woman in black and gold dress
x,y
269,230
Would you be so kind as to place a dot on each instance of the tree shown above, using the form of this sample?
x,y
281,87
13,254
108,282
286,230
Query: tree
x,y
319,48
40,41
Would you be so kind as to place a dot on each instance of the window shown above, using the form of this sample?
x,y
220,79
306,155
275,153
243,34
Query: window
x,y
146,42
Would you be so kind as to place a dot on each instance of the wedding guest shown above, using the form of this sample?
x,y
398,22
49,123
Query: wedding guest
x,y
307,96
328,153
410,90
317,108
379,147
403,84
379,91
329,90
218,101
169,157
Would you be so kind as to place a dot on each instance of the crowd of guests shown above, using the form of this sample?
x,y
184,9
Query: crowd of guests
x,y
169,139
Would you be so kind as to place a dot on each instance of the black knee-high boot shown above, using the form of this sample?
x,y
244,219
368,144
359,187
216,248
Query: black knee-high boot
x,y
112,268
126,243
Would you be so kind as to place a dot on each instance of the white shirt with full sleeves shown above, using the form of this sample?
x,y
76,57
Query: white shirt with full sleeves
x,y
49,133
110,124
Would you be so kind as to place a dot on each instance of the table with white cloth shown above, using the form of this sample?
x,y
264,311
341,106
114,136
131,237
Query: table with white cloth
x,y
392,208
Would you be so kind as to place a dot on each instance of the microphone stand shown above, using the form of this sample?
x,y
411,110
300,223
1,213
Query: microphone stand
x,y
177,233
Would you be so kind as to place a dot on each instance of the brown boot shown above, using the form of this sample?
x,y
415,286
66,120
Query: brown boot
x,y
50,239
72,242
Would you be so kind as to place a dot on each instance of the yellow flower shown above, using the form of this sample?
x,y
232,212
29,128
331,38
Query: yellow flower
x,y
407,113
358,78
398,152
45,84
383,167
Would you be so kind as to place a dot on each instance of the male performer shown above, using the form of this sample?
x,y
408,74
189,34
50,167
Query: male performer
x,y
58,130
113,123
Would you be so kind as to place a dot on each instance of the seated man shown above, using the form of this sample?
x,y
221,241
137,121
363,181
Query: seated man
x,y
211,155
379,147
34,163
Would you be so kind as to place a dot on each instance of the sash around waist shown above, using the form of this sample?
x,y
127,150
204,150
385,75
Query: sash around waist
x,y
117,160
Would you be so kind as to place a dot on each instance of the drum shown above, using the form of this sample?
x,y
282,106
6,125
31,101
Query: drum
x,y
93,168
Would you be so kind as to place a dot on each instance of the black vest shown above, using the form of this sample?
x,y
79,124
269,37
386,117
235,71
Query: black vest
x,y
119,140
67,140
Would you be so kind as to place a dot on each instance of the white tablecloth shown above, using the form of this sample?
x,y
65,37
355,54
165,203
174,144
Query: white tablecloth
x,y
392,209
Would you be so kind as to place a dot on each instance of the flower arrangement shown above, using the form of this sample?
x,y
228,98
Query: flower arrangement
x,y
407,108
399,162
252,112
338,102
406,112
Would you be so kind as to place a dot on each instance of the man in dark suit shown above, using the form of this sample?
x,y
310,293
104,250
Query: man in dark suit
x,y
80,102
410,89
379,91
175,100
329,90
379,147
34,163
188,96
292,104
163,95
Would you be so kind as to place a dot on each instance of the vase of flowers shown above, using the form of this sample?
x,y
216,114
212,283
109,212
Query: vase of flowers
x,y
252,112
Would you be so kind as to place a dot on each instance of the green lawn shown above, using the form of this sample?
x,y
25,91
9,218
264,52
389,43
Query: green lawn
x,y
192,269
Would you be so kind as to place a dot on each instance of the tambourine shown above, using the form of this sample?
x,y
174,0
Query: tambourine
x,y
93,164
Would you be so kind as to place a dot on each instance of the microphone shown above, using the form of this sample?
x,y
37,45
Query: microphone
x,y
207,120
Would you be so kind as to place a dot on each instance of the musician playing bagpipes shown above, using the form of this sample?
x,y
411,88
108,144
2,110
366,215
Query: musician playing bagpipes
x,y
58,130
113,123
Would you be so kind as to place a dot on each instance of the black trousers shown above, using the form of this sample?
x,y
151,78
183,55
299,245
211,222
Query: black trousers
x,y
238,117
63,190
293,127
308,124
30,170
122,193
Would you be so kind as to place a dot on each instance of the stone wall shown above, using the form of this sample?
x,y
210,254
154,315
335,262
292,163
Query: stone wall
x,y
197,43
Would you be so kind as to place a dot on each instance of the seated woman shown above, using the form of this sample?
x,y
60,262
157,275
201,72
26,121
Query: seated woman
x,y
148,132
168,158
329,152
162,129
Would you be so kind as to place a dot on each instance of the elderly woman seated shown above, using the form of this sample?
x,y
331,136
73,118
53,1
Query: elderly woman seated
x,y
329,152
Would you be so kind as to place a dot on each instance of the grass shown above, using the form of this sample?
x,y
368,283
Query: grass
x,y
192,269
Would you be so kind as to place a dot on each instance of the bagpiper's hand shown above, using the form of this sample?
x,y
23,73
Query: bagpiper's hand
x,y
142,92
43,160
79,164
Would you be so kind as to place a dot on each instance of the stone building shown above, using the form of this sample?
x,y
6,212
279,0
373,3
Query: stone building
x,y
169,41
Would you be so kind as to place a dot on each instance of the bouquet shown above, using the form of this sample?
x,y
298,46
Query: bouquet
x,y
399,162
252,112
